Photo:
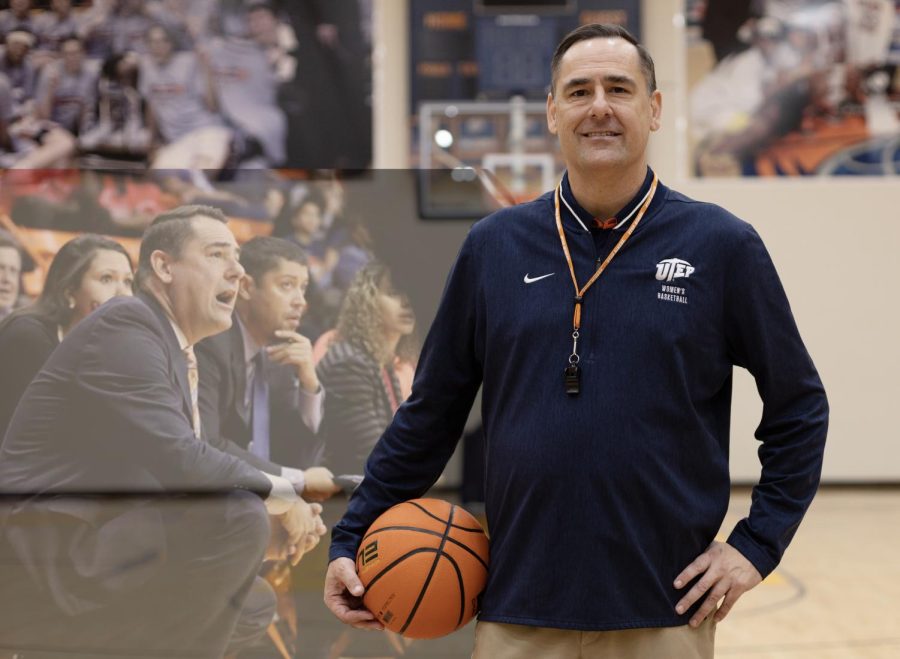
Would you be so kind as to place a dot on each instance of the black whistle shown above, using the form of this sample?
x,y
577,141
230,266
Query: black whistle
x,y
573,379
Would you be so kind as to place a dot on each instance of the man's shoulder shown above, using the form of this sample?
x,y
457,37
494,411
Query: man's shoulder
x,y
520,216
28,325
123,331
703,215
219,346
122,314
124,307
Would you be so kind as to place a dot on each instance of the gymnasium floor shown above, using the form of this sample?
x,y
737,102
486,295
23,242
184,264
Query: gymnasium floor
x,y
836,595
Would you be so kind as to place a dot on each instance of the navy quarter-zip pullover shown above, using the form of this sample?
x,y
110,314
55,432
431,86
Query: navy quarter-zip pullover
x,y
596,502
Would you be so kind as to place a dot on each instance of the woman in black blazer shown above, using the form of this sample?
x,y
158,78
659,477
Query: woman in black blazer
x,y
362,391
85,273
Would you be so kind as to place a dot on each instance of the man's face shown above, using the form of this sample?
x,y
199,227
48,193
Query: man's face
x,y
16,50
61,7
10,269
73,56
20,7
158,44
128,7
600,109
261,24
277,301
202,283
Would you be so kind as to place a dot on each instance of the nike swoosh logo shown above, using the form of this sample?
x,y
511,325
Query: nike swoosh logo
x,y
531,280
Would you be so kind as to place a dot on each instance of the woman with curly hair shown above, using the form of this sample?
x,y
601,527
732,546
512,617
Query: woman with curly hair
x,y
86,272
375,335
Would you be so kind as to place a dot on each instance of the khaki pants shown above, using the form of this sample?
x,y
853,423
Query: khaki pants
x,y
500,641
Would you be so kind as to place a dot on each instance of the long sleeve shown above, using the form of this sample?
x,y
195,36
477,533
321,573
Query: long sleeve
x,y
357,414
291,401
311,408
411,454
24,347
763,338
125,370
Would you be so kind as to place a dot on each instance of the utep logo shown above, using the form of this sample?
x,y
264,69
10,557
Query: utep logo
x,y
673,269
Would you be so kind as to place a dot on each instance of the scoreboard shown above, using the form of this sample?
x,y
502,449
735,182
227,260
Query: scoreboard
x,y
495,49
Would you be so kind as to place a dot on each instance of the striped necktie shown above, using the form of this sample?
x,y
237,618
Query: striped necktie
x,y
194,383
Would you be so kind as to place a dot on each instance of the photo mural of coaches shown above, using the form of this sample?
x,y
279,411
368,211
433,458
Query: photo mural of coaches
x,y
123,532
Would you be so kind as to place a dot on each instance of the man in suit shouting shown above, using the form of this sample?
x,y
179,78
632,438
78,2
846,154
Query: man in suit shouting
x,y
259,393
122,529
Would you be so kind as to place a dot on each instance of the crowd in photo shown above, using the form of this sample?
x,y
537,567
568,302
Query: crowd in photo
x,y
781,67
271,366
316,214
207,85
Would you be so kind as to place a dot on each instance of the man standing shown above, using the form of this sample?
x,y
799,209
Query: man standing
x,y
603,321
258,387
246,84
52,27
17,17
181,105
16,65
124,530
67,92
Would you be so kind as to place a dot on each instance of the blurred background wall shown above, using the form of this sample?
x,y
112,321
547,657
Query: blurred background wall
x,y
835,241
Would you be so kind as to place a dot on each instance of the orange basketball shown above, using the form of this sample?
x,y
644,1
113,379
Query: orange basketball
x,y
424,563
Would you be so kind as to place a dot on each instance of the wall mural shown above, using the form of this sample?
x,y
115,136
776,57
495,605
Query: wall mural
x,y
794,87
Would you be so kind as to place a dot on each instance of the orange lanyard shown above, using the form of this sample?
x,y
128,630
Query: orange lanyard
x,y
580,292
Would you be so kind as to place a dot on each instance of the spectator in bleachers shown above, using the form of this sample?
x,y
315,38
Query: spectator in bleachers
x,y
17,17
92,203
86,272
354,254
121,127
10,275
53,26
96,30
186,20
274,36
302,223
67,90
335,204
114,26
181,105
359,370
16,65
27,143
130,24
7,146
246,82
